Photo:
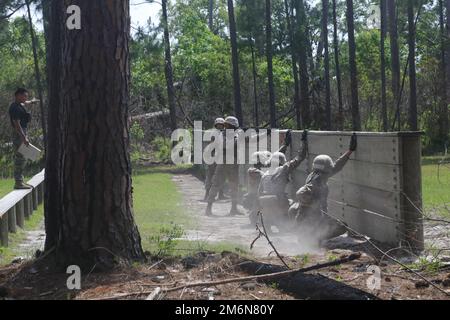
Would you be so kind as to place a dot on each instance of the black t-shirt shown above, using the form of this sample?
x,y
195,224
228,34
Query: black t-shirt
x,y
18,112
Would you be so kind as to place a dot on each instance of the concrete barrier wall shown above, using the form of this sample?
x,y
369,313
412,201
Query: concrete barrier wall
x,y
378,193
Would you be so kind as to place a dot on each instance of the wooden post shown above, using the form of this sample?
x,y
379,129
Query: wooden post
x,y
40,190
35,198
12,220
412,211
28,208
20,214
4,229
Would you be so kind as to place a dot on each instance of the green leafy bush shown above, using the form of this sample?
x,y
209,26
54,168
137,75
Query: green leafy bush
x,y
162,149
167,240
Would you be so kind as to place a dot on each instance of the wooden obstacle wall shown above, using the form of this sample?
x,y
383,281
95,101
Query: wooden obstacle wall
x,y
379,192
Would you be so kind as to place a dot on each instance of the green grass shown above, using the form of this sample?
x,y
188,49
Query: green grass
x,y
436,186
435,159
158,205
8,254
11,252
6,186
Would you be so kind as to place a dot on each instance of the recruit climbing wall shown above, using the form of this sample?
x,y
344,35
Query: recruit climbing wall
x,y
378,193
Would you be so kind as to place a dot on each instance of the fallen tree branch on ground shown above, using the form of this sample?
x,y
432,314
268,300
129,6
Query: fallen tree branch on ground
x,y
309,286
155,294
270,276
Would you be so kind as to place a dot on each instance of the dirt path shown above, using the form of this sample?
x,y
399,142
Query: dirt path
x,y
222,228
33,240
237,230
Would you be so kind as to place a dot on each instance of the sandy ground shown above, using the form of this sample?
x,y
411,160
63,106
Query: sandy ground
x,y
34,240
223,228
27,281
237,230
437,235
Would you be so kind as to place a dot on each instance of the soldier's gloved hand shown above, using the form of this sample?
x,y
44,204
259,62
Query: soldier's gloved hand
x,y
303,152
288,138
305,135
353,143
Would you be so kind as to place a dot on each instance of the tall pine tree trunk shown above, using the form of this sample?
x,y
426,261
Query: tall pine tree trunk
x,y
303,63
37,73
443,112
255,86
235,62
94,223
356,121
384,114
269,56
46,21
294,59
413,126
340,118
308,42
168,68
211,15
53,192
395,55
325,8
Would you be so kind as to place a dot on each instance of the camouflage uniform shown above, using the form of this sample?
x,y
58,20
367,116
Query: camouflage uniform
x,y
19,160
254,176
222,173
226,172
313,201
210,169
274,181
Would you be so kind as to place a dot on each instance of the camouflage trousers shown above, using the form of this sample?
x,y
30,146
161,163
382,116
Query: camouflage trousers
x,y
320,225
225,172
19,160
209,176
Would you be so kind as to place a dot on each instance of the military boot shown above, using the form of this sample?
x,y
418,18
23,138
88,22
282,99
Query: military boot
x,y
208,211
22,186
235,211
205,198
222,196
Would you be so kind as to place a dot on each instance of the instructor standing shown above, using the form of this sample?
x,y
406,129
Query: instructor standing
x,y
20,118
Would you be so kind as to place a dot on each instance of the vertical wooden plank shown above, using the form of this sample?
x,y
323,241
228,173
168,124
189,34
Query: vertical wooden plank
x,y
40,191
12,220
411,186
4,230
28,208
34,198
20,214
379,190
